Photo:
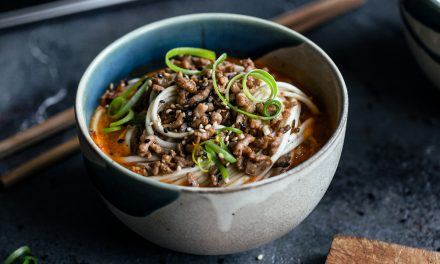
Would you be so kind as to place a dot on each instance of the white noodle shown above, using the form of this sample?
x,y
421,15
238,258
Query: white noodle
x,y
165,96
242,180
150,131
305,100
288,141
176,174
289,87
234,175
296,139
96,117
296,116
181,180
129,135
138,159
184,178
284,139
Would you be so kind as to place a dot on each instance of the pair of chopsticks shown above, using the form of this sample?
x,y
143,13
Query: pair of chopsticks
x,y
300,19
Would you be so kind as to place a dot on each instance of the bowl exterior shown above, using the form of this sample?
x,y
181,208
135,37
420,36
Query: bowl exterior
x,y
422,32
230,222
215,223
212,221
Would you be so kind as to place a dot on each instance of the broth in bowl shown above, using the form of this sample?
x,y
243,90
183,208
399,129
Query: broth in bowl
x,y
208,121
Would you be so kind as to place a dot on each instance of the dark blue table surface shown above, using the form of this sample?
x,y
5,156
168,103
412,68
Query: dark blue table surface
x,y
386,187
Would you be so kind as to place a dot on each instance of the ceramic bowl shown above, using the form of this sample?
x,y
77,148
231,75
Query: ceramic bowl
x,y
422,31
212,221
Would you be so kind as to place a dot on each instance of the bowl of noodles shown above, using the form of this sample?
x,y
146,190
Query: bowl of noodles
x,y
212,133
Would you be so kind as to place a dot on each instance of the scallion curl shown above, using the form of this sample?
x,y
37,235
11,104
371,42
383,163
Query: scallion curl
x,y
198,52
266,78
227,103
231,83
269,103
21,254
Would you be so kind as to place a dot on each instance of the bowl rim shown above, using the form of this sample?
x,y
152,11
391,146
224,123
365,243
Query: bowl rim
x,y
84,130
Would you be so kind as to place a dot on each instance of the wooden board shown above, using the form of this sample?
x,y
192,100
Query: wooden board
x,y
347,249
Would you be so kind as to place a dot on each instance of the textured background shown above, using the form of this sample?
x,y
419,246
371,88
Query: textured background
x,y
386,186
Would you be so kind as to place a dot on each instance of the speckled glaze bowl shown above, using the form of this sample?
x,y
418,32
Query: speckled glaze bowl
x,y
422,31
211,221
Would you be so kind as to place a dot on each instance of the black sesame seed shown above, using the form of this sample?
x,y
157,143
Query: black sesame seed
x,y
147,140
162,101
120,140
160,75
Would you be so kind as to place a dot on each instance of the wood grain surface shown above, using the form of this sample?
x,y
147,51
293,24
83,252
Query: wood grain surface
x,y
346,249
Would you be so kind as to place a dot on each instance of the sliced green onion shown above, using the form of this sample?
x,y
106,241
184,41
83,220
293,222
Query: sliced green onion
x,y
230,83
214,79
22,254
226,102
270,103
126,93
203,165
116,104
220,140
133,100
124,120
120,106
223,171
222,143
111,129
217,149
266,78
202,53
29,259
232,129
211,149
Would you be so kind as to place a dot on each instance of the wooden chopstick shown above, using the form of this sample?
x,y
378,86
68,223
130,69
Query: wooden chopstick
x,y
315,13
40,162
300,19
37,133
